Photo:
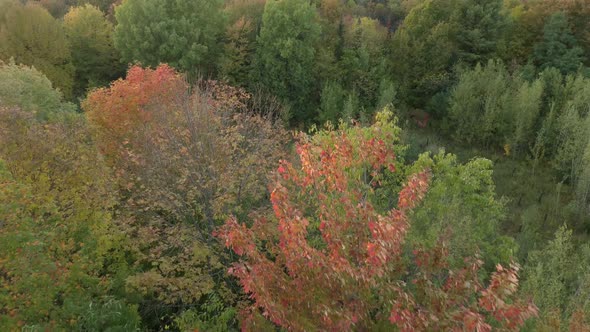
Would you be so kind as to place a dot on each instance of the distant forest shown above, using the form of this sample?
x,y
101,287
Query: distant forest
x,y
295,165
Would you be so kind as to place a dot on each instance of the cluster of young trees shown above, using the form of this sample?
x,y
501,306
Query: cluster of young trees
x,y
172,196
545,117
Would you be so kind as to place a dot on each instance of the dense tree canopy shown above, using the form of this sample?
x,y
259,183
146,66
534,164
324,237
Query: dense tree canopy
x,y
183,33
185,161
461,207
480,25
559,279
424,49
93,54
370,165
56,193
559,48
30,36
285,52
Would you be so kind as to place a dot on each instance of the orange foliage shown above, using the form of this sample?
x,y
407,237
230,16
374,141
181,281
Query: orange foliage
x,y
184,159
121,109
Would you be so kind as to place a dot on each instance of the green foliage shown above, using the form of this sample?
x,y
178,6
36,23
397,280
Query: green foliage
x,y
479,27
559,48
93,54
28,89
31,36
182,33
213,316
330,46
331,104
244,21
103,5
557,276
461,209
351,107
285,54
479,105
571,157
363,62
387,94
438,34
238,52
492,107
424,50
57,8
548,118
525,108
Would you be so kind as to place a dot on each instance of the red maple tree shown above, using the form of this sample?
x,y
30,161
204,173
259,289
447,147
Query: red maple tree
x,y
328,260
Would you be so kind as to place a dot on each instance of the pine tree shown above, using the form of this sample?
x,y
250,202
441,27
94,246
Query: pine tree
x,y
480,25
559,48
181,33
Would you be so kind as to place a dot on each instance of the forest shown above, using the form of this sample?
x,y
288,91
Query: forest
x,y
295,165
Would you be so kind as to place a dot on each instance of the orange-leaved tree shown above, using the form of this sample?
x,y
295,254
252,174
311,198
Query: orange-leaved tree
x,y
185,158
120,111
328,260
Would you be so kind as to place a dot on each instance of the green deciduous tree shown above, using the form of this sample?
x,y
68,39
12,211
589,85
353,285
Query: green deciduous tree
x,y
438,34
28,89
571,156
184,34
329,47
244,21
461,209
103,5
387,94
30,35
424,50
285,54
525,109
363,63
492,107
332,101
558,278
93,54
478,105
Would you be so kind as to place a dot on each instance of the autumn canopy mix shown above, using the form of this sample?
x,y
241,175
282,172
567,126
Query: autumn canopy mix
x,y
290,165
